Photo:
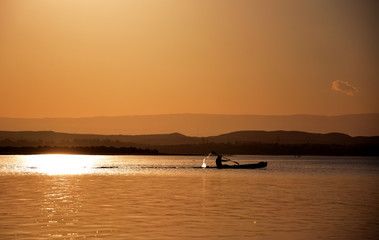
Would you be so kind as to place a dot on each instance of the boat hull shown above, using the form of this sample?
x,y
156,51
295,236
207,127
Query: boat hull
x,y
246,166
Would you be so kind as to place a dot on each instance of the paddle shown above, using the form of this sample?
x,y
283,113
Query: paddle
x,y
204,165
232,161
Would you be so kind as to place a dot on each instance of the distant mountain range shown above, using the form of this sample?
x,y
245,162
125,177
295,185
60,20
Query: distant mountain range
x,y
241,142
48,138
200,125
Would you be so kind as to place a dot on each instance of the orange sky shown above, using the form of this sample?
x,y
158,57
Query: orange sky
x,y
78,58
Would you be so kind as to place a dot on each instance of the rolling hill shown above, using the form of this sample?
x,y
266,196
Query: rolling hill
x,y
200,125
241,142
49,138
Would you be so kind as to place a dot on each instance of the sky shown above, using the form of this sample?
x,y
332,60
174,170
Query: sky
x,y
84,58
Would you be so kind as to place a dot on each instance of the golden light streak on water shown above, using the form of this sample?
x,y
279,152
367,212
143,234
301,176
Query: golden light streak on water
x,y
59,164
309,198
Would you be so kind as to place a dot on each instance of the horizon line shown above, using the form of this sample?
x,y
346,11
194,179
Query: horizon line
x,y
178,114
178,133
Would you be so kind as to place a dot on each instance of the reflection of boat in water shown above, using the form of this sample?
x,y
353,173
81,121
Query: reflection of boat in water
x,y
245,166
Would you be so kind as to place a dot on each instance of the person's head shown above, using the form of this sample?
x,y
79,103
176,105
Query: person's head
x,y
214,153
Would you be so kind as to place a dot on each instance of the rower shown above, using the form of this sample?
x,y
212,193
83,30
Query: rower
x,y
219,160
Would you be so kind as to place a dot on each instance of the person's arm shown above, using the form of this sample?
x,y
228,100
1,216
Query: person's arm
x,y
229,160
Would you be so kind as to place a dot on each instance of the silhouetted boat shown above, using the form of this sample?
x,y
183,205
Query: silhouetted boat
x,y
245,166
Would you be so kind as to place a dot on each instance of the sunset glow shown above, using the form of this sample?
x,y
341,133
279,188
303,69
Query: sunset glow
x,y
58,164
82,58
189,119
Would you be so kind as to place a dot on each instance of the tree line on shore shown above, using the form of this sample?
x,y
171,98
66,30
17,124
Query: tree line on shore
x,y
204,149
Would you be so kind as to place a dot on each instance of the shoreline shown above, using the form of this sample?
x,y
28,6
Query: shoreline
x,y
109,151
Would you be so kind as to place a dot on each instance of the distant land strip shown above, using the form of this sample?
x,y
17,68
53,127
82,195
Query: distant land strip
x,y
200,125
100,150
241,142
204,149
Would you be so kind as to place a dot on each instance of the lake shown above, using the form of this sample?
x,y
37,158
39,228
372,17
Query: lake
x,y
165,197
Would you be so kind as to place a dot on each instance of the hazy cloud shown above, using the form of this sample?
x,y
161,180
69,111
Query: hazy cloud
x,y
344,87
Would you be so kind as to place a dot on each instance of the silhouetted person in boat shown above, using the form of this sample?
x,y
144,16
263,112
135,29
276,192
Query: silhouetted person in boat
x,y
219,160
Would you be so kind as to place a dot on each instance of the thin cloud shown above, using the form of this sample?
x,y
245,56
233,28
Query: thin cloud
x,y
344,87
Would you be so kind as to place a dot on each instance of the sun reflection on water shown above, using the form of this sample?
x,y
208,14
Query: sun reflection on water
x,y
57,164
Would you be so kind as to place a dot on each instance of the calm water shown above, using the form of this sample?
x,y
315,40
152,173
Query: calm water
x,y
144,197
